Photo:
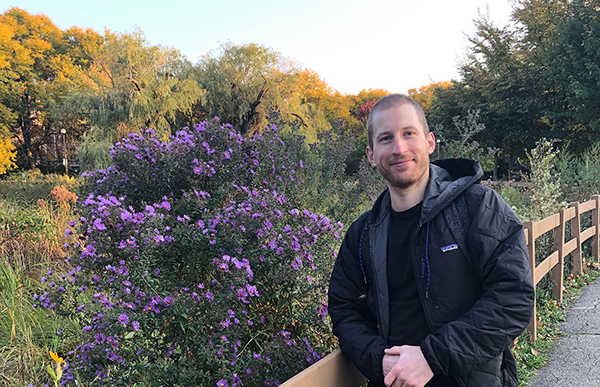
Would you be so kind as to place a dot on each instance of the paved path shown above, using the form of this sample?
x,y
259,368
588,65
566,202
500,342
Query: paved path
x,y
575,360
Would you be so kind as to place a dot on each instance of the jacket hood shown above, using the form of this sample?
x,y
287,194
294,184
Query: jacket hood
x,y
448,178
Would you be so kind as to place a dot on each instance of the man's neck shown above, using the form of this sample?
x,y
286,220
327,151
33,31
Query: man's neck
x,y
407,198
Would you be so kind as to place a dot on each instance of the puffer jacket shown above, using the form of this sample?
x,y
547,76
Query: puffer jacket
x,y
475,304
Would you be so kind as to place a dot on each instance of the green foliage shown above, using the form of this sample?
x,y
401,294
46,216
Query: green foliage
x,y
136,84
459,143
573,66
242,83
580,175
94,151
542,195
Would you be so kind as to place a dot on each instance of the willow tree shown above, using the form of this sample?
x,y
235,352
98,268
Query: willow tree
x,y
243,83
136,85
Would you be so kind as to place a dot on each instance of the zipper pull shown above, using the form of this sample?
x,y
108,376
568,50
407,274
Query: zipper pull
x,y
426,294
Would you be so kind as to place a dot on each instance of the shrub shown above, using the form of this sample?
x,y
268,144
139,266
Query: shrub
x,y
543,195
195,263
459,143
580,176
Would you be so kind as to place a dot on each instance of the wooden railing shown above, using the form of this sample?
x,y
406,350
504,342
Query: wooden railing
x,y
335,370
555,262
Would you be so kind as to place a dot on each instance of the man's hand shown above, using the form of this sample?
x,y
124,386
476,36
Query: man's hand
x,y
389,361
411,368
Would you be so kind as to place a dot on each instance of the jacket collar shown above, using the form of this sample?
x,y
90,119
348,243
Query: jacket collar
x,y
447,179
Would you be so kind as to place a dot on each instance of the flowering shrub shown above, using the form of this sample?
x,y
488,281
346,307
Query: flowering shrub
x,y
195,263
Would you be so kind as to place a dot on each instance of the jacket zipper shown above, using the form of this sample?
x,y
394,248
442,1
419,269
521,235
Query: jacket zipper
x,y
423,293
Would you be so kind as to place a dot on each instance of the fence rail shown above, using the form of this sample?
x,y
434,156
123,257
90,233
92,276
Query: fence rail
x,y
335,370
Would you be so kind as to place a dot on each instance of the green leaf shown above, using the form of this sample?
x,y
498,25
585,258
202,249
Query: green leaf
x,y
51,372
130,335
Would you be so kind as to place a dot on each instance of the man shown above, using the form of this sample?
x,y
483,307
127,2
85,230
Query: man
x,y
431,286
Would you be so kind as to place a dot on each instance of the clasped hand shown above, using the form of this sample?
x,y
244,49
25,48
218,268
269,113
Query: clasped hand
x,y
405,366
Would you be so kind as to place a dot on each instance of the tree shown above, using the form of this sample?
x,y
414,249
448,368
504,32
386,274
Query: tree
x,y
424,95
134,85
242,83
7,156
497,81
574,67
35,67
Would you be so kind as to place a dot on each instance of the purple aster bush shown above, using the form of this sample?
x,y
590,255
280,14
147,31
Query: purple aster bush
x,y
202,260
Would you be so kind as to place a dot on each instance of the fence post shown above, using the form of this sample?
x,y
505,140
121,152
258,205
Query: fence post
x,y
532,327
559,269
576,233
596,222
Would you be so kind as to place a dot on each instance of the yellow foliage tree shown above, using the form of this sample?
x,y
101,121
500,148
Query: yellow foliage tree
x,y
7,156
424,94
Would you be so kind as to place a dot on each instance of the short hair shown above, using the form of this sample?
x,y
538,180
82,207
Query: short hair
x,y
391,101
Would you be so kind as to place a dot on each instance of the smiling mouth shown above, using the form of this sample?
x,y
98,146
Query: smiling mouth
x,y
401,163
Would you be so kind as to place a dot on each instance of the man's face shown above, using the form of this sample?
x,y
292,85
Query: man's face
x,y
401,149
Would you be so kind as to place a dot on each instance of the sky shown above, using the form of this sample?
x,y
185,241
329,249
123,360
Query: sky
x,y
387,44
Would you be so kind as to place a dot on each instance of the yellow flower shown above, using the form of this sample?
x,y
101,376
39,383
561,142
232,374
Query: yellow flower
x,y
57,359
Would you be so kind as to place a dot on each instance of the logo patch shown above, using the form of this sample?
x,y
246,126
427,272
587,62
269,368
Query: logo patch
x,y
451,247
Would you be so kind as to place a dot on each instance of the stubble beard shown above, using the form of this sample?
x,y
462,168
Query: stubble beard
x,y
403,183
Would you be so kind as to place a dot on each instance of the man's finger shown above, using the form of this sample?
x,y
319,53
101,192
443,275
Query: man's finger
x,y
397,350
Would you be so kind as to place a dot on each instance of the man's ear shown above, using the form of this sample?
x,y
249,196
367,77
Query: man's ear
x,y
370,156
430,142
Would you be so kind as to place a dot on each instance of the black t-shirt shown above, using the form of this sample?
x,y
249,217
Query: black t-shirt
x,y
408,325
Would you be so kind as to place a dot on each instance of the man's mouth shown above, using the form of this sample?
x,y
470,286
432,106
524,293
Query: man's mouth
x,y
401,163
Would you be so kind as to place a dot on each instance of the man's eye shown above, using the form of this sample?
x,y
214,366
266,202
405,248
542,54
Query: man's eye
x,y
385,138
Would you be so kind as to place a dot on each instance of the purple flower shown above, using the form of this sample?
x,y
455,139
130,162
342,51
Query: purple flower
x,y
99,225
88,251
68,232
135,325
222,383
168,301
123,319
156,271
87,328
99,338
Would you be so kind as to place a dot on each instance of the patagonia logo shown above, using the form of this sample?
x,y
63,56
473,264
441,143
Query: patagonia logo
x,y
451,247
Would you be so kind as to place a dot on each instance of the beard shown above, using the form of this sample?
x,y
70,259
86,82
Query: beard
x,y
407,178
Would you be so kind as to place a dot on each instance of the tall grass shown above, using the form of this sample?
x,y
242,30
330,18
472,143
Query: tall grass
x,y
32,222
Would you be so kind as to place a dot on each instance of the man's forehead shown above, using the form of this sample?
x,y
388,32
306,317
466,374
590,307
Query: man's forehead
x,y
404,115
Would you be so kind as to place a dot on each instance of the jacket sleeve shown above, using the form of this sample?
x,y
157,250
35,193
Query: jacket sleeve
x,y
499,252
353,322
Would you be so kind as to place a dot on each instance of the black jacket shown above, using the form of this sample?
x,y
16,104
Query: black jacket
x,y
474,306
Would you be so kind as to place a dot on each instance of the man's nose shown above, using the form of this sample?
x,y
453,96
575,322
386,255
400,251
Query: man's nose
x,y
399,145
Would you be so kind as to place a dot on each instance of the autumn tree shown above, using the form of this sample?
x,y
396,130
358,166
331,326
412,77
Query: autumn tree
x,y
424,95
35,70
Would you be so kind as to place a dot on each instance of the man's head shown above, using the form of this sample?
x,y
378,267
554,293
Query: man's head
x,y
400,142
390,101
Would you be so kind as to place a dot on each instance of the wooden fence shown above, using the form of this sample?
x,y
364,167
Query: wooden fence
x,y
335,370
